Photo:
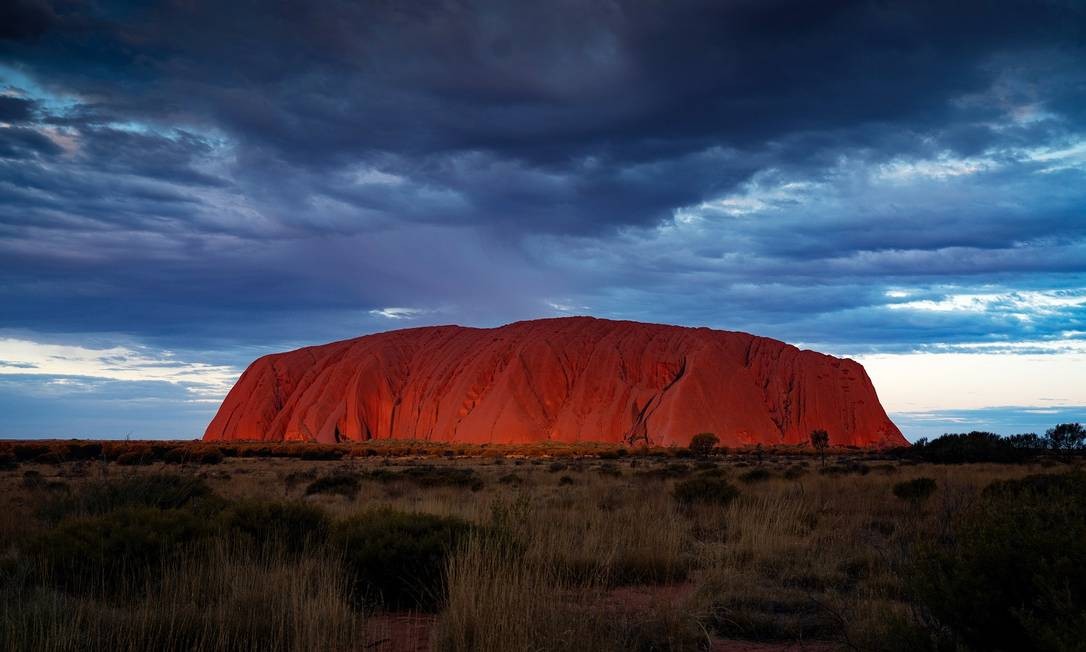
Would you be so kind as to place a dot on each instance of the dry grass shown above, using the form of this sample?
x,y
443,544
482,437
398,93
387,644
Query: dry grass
x,y
224,600
607,562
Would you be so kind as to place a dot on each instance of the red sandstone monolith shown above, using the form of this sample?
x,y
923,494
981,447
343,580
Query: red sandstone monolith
x,y
571,379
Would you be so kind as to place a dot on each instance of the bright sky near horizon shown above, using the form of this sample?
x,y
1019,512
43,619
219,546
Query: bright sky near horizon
x,y
187,186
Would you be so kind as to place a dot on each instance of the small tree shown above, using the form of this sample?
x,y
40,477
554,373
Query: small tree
x,y
820,439
703,443
1066,437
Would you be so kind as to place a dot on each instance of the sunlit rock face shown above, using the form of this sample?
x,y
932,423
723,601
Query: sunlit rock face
x,y
570,379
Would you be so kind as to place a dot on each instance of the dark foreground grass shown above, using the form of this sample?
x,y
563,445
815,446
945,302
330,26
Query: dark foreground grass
x,y
627,552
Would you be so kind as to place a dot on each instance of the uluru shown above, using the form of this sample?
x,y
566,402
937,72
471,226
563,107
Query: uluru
x,y
570,379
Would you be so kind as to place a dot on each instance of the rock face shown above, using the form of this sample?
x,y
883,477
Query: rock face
x,y
570,379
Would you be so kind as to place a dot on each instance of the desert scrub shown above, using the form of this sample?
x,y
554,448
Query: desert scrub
x,y
915,491
704,490
116,551
292,525
341,484
757,474
220,599
427,477
1012,574
397,559
497,602
160,491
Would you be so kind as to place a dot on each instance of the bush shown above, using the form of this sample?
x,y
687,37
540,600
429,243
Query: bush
x,y
565,480
27,452
1013,574
134,458
703,443
669,471
794,473
704,489
322,453
210,456
441,476
83,450
8,461
162,491
915,491
756,475
291,524
342,484
118,550
610,470
556,467
175,456
399,558
850,468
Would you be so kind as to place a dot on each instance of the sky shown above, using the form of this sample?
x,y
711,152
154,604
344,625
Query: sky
x,y
185,186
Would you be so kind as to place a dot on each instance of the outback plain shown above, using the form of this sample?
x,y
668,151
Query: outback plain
x,y
966,542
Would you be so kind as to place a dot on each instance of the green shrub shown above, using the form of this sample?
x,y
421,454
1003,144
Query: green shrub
x,y
556,467
162,491
704,489
1013,574
565,480
343,484
118,550
511,478
398,558
915,491
290,524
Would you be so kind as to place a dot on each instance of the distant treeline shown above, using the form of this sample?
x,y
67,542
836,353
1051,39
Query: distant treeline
x,y
1064,439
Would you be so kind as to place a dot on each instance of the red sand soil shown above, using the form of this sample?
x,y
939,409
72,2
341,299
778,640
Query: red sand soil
x,y
569,380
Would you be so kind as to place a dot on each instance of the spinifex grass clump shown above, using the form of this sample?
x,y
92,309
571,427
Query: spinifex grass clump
x,y
397,559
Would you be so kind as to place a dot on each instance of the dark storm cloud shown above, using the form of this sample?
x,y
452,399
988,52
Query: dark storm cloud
x,y
205,174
